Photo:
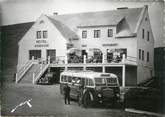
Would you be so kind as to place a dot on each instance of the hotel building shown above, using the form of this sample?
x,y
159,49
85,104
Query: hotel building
x,y
117,41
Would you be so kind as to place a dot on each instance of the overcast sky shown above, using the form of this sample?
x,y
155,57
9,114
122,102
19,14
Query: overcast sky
x,y
19,11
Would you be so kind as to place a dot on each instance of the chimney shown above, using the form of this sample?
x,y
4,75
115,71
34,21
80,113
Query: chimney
x,y
55,13
120,8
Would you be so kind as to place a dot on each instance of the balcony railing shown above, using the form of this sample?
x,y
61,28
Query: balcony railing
x,y
23,70
95,60
38,73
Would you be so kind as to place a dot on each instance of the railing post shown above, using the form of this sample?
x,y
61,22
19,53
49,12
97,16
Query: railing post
x,y
84,59
41,66
33,78
103,69
103,58
66,59
123,76
16,79
48,59
32,58
123,60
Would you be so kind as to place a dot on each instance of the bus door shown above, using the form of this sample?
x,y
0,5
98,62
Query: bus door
x,y
75,84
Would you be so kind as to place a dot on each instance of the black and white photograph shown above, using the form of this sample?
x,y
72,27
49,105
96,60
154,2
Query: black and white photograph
x,y
82,58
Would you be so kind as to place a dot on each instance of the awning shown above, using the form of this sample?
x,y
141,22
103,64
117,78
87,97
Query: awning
x,y
95,50
74,50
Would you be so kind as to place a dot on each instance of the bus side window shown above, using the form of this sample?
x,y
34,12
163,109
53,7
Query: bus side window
x,y
73,79
65,78
78,80
62,78
86,81
82,82
91,82
69,79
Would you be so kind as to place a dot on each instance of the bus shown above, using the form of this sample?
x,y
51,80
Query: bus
x,y
94,87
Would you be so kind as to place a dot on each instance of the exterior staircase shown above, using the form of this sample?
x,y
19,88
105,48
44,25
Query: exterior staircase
x,y
32,71
39,72
28,76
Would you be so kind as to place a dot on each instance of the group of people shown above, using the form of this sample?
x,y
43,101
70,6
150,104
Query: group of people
x,y
116,59
75,59
67,90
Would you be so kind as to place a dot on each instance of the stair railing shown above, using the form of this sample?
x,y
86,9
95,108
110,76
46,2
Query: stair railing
x,y
38,73
23,70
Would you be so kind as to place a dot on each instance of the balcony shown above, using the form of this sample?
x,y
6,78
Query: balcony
x,y
90,61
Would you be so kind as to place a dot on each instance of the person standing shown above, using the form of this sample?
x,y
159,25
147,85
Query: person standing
x,y
80,95
67,94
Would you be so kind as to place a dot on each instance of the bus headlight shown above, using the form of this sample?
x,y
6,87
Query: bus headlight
x,y
99,95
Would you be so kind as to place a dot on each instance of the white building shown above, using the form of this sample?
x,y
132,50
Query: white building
x,y
119,41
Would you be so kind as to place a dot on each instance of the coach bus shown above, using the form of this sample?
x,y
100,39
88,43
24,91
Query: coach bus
x,y
94,87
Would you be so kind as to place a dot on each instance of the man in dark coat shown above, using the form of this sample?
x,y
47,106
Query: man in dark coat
x,y
67,94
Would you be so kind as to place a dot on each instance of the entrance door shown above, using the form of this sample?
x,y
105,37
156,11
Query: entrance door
x,y
52,54
35,53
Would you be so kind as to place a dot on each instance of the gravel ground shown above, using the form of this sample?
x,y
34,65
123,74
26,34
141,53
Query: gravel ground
x,y
47,101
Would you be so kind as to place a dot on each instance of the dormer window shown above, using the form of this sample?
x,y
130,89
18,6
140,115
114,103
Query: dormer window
x,y
96,33
110,33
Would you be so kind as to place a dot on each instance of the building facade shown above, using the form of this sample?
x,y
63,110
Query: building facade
x,y
118,41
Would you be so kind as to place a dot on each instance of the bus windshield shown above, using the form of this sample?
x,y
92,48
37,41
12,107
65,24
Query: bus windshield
x,y
104,81
100,82
111,81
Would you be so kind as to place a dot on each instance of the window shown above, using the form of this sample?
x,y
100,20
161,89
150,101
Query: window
x,y
34,53
143,34
90,82
110,33
86,81
148,35
142,54
100,82
64,78
38,34
139,53
84,34
45,34
96,33
69,79
148,56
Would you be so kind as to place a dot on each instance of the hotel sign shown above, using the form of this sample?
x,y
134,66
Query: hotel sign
x,y
111,44
41,43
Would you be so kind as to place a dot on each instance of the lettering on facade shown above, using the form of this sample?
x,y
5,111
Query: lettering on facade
x,y
112,44
41,43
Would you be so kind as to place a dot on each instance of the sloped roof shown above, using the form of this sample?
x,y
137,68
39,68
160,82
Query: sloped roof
x,y
64,30
112,17
11,34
